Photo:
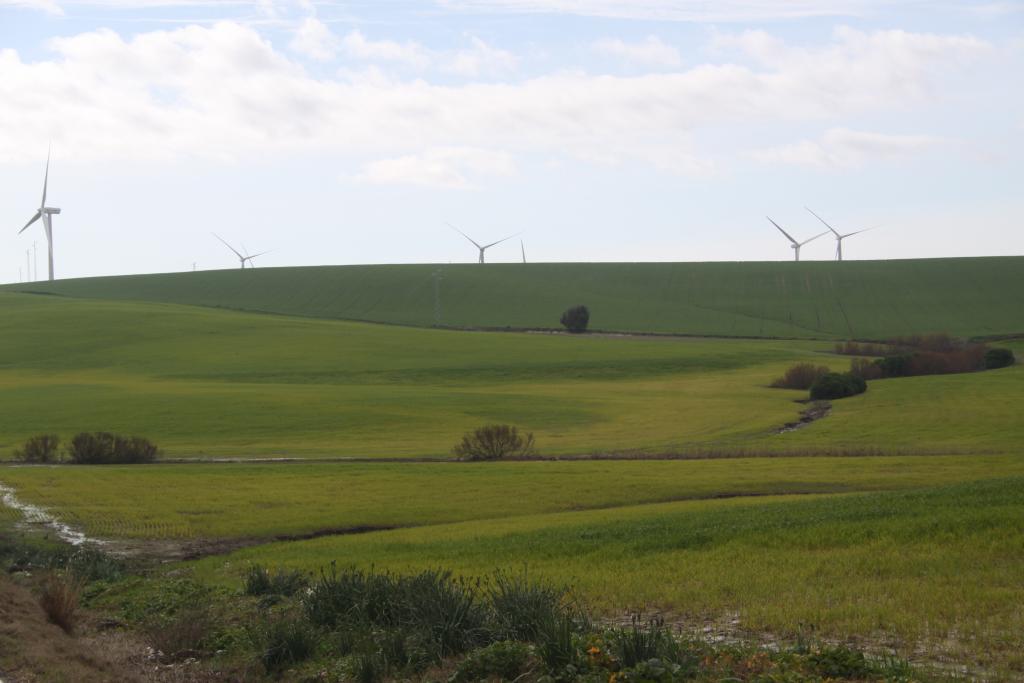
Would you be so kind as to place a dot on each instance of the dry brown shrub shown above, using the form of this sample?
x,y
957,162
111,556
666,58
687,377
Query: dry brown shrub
x,y
59,599
800,376
493,442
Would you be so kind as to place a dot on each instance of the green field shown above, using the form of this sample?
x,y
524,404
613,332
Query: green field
x,y
853,299
934,572
218,501
203,382
897,520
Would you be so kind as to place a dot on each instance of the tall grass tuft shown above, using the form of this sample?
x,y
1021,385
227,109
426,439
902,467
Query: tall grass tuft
x,y
261,581
60,599
283,641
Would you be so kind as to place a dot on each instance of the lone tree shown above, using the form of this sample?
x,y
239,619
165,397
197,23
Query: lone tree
x,y
576,319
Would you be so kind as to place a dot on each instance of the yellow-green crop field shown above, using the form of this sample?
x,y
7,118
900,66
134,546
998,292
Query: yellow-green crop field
x,y
896,521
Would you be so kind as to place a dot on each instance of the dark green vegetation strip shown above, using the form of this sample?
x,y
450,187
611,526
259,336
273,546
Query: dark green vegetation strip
x,y
861,299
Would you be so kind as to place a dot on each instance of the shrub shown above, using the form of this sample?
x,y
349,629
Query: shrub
x,y
852,348
261,581
520,605
645,641
835,385
102,448
999,358
283,641
441,610
800,376
59,599
492,442
865,369
41,448
576,319
505,660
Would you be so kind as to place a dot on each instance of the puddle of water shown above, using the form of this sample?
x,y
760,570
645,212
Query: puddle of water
x,y
34,514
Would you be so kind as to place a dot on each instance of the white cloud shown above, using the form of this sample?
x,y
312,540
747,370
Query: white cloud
x,y
845,148
411,54
651,51
480,59
225,92
446,167
314,39
48,6
684,10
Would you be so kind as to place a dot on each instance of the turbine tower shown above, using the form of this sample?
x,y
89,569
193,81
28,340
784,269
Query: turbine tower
x,y
484,247
46,213
839,238
522,248
242,259
795,245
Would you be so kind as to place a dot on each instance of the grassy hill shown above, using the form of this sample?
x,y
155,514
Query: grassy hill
x,y
855,299
203,381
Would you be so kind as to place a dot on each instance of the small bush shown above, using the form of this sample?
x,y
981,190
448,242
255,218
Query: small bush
x,y
282,642
261,581
645,641
39,449
576,319
60,598
865,369
493,442
520,605
505,660
104,448
835,385
852,348
999,358
800,376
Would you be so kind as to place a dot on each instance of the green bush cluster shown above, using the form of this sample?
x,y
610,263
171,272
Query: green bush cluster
x,y
283,582
999,358
89,448
836,385
576,319
104,448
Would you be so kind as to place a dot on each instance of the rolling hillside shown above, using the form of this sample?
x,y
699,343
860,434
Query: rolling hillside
x,y
857,299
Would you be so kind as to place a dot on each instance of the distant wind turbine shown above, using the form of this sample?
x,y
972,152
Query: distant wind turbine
x,y
242,259
795,245
46,213
484,247
839,238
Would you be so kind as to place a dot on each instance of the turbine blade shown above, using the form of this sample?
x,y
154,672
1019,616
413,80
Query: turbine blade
x,y
788,236
464,235
823,221
46,178
33,220
501,240
814,238
260,254
227,245
851,234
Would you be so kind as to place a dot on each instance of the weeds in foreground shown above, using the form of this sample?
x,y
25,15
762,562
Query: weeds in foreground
x,y
261,581
60,599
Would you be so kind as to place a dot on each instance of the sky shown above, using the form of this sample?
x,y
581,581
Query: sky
x,y
599,130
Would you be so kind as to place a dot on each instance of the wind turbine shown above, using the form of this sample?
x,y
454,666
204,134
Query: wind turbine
x,y
242,259
46,213
484,247
839,238
795,245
